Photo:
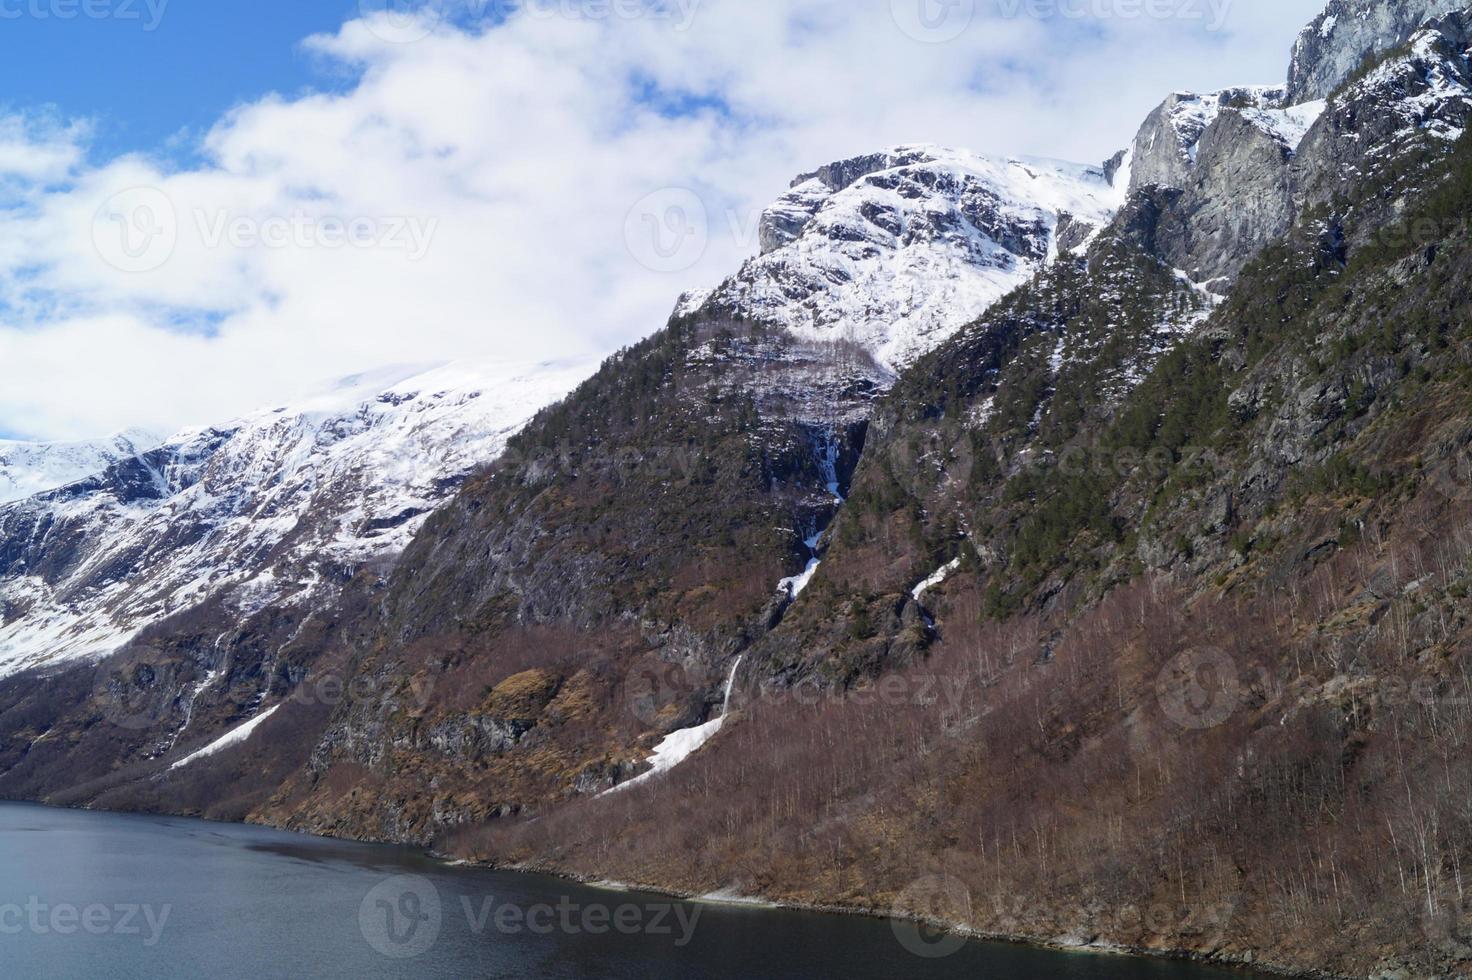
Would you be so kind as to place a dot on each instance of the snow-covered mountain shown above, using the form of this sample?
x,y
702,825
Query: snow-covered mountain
x,y
28,468
897,250
275,509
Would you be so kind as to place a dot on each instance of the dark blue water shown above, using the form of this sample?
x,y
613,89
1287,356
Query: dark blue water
x,y
121,897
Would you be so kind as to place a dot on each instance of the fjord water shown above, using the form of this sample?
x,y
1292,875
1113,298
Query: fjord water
x,y
128,897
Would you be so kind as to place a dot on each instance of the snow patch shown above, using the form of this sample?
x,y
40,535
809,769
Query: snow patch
x,y
679,746
233,737
729,896
29,468
936,578
1287,126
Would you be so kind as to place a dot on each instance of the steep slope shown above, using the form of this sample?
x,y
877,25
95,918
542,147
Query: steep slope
x,y
1230,172
640,537
1198,675
662,517
29,468
1131,613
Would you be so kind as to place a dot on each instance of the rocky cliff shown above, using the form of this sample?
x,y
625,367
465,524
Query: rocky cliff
x,y
1340,41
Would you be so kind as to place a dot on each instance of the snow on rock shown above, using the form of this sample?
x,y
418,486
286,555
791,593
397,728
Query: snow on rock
x,y
1165,150
898,250
936,578
1427,88
235,736
795,584
1288,126
29,468
730,896
673,750
279,508
1335,45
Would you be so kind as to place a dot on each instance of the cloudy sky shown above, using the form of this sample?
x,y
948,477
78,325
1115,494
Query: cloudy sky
x,y
236,200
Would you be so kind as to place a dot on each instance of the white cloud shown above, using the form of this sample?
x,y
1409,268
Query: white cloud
x,y
511,156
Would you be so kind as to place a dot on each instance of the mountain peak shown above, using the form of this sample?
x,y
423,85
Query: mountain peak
x,y
895,250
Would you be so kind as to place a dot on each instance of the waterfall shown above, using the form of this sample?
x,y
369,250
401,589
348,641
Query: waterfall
x,y
731,686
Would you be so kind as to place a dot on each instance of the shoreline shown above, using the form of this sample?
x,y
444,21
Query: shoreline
x,y
752,903
761,903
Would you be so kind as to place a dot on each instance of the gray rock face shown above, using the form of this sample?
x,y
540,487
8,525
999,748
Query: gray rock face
x,y
1244,166
1166,148
1416,100
1332,48
1239,199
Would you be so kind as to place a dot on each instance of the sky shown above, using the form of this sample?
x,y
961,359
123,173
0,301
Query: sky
x,y
209,206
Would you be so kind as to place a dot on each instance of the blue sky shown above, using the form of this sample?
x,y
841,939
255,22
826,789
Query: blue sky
x,y
491,168
144,86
